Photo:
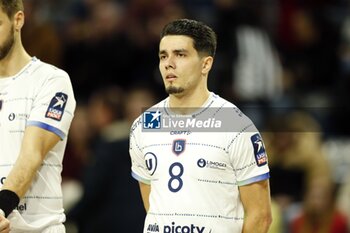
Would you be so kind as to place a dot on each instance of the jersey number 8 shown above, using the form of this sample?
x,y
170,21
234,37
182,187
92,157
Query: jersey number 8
x,y
176,170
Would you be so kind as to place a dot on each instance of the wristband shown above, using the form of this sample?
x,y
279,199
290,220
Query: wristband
x,y
8,201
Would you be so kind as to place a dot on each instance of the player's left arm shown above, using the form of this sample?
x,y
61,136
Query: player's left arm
x,y
37,142
257,207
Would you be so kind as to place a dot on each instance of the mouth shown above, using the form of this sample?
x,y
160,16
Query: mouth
x,y
170,77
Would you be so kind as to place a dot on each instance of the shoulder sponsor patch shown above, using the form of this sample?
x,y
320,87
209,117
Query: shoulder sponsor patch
x,y
259,150
56,107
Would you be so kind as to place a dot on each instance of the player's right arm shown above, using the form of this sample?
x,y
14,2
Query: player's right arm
x,y
139,170
37,142
145,191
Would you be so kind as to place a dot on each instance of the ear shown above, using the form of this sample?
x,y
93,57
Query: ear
x,y
207,64
18,20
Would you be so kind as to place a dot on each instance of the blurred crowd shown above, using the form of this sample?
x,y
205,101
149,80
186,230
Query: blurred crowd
x,y
285,63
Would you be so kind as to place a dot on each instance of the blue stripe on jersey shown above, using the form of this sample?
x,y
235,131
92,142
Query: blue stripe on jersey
x,y
139,178
47,127
254,179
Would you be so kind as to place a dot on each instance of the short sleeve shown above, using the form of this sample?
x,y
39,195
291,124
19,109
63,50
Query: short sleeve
x,y
53,105
139,169
248,157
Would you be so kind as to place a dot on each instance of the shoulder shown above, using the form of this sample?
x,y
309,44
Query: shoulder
x,y
46,71
218,101
228,111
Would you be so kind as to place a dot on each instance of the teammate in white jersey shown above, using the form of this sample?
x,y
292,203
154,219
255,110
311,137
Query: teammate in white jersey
x,y
36,109
193,180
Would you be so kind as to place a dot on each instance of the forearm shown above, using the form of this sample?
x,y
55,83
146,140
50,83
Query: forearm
x,y
145,191
257,224
18,182
36,144
257,207
20,178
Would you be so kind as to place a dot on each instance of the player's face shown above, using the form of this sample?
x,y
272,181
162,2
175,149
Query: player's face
x,y
180,64
7,37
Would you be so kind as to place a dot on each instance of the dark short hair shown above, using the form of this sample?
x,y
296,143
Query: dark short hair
x,y
204,38
11,7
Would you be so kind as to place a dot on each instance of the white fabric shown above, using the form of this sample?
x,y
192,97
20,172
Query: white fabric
x,y
195,189
39,95
59,228
258,72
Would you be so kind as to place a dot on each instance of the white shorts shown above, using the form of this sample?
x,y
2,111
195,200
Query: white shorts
x,y
55,229
59,228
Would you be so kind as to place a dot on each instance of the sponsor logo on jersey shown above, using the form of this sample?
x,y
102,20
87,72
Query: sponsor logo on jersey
x,y
153,228
21,207
20,116
259,150
152,120
151,162
2,180
202,163
179,146
56,107
180,132
173,228
12,116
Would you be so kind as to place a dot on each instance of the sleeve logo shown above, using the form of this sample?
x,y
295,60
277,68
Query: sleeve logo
x,y
259,150
56,107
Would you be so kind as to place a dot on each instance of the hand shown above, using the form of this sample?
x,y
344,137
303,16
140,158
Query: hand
x,y
4,225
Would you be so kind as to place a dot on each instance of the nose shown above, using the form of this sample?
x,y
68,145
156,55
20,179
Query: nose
x,y
169,63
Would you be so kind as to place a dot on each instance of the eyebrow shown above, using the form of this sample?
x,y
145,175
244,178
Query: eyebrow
x,y
174,51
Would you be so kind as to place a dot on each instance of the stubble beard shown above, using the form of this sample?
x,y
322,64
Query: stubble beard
x,y
8,44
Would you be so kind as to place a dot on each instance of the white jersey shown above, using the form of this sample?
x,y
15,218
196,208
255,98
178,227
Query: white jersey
x,y
39,95
194,176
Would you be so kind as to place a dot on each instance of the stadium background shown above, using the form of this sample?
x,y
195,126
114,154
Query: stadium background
x,y
286,63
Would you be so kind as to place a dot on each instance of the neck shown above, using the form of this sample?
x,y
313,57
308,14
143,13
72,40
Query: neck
x,y
15,60
189,101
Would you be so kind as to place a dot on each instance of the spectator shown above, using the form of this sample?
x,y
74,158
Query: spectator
x,y
344,197
48,46
76,157
109,190
319,213
294,144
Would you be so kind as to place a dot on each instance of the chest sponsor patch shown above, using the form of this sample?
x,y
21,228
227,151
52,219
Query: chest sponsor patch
x,y
56,107
259,150
179,146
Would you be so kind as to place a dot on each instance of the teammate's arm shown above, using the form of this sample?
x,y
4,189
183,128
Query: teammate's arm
x,y
257,207
36,143
4,224
145,191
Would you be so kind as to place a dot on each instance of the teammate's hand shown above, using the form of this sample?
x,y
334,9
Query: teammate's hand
x,y
4,225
